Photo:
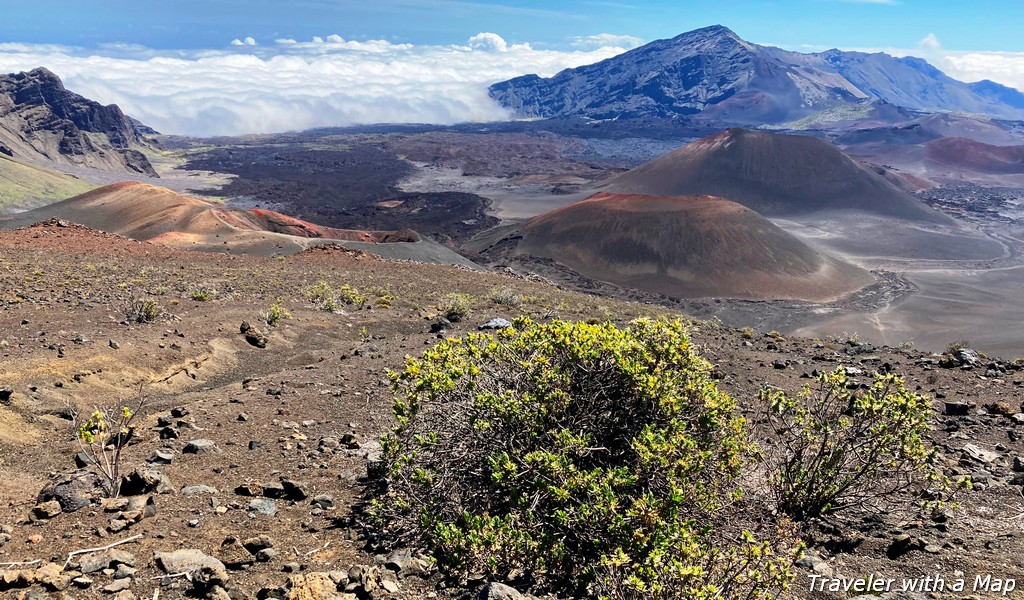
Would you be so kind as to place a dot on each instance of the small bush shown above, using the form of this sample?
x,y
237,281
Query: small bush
x,y
102,437
455,307
138,310
957,346
203,293
325,297
835,448
747,333
505,296
598,461
275,314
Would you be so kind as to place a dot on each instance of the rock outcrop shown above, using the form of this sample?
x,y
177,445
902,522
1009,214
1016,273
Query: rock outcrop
x,y
41,120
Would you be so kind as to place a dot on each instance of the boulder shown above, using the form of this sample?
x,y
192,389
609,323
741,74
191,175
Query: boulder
x,y
74,491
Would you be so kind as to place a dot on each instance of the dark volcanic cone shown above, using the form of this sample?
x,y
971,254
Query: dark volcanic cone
x,y
683,246
776,175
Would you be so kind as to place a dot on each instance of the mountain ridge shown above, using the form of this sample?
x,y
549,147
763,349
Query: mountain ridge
x,y
713,72
42,121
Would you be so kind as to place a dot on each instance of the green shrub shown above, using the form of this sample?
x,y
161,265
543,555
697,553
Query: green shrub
x,y
505,296
138,310
275,314
203,293
599,461
455,307
957,346
833,448
747,333
325,297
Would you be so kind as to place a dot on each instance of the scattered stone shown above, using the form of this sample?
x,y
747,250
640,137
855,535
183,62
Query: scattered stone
x,y
46,510
780,364
266,555
205,568
956,409
257,543
440,325
146,480
1018,464
294,490
197,490
113,344
74,491
499,591
967,356
497,323
273,489
975,453
234,555
117,585
249,489
254,336
5,396
263,506
163,456
94,563
323,501
200,446
904,543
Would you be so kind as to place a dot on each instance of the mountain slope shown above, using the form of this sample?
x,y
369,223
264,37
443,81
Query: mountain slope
x,y
40,120
679,246
775,175
713,71
149,213
26,183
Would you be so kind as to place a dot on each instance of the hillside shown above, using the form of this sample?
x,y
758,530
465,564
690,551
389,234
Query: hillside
x,y
310,408
41,120
148,213
712,71
23,183
678,246
775,175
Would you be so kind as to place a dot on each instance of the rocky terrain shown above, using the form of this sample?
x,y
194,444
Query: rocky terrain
x,y
715,73
41,120
245,463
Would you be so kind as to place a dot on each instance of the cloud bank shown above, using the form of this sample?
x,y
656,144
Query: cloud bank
x,y
258,86
266,86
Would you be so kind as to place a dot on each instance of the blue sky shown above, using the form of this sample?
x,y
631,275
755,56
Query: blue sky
x,y
993,25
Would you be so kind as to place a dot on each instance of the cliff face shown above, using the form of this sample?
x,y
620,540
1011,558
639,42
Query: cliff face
x,y
41,120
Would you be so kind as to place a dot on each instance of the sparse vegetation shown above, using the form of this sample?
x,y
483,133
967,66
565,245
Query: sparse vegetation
x,y
747,333
326,297
455,307
140,310
103,436
275,314
505,296
957,346
203,293
832,448
567,451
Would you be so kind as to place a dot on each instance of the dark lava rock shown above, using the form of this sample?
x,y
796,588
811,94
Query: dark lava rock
x,y
74,491
254,336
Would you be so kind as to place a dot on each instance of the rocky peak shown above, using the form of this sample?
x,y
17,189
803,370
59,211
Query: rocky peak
x,y
41,119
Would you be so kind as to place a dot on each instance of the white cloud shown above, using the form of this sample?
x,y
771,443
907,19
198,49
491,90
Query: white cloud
x,y
606,40
295,85
1006,68
247,41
